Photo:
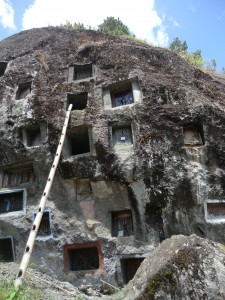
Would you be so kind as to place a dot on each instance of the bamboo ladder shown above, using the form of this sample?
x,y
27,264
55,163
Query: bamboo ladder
x,y
37,221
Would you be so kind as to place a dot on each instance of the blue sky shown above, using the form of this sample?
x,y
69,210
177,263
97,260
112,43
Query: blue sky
x,y
200,22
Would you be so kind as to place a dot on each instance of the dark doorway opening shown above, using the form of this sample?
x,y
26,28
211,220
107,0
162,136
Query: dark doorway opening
x,y
82,71
129,268
24,89
45,227
6,249
11,201
78,141
3,66
79,101
83,259
122,223
33,136
193,135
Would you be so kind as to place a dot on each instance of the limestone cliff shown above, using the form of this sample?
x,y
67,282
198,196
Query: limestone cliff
x,y
144,156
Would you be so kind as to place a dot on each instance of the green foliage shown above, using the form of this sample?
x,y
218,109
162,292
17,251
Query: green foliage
x,y
79,297
114,26
178,46
8,292
74,26
195,58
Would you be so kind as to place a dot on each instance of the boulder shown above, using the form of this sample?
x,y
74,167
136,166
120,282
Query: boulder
x,y
180,268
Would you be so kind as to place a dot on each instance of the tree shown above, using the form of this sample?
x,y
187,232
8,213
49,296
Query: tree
x,y
178,46
195,58
114,26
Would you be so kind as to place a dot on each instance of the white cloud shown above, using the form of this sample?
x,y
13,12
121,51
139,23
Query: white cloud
x,y
7,15
174,22
142,19
162,37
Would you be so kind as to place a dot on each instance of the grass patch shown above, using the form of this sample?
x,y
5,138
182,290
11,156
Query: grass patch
x,y
7,292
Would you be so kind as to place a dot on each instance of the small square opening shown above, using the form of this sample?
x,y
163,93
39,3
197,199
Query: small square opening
x,y
193,135
3,66
14,177
122,97
121,93
129,268
11,201
6,250
83,257
82,71
122,136
79,101
122,223
216,211
24,89
78,141
45,226
33,136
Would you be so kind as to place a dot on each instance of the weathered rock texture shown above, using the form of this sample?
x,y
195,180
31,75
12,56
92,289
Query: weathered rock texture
x,y
180,268
167,186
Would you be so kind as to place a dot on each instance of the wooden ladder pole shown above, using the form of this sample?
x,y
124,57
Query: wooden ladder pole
x,y
37,221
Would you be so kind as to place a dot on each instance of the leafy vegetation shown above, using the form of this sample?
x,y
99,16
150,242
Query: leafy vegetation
x,y
79,297
74,26
178,46
194,58
8,292
110,25
115,26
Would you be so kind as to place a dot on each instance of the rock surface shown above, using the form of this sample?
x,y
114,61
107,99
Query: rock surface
x,y
180,268
130,175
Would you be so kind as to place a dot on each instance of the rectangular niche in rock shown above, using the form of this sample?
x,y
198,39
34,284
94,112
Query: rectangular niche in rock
x,y
24,89
80,71
12,201
79,101
129,267
193,135
122,223
77,141
84,190
6,249
83,257
3,66
34,135
19,175
45,226
215,211
122,93
122,137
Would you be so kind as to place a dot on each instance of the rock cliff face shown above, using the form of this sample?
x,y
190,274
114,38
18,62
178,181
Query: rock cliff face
x,y
143,159
180,268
